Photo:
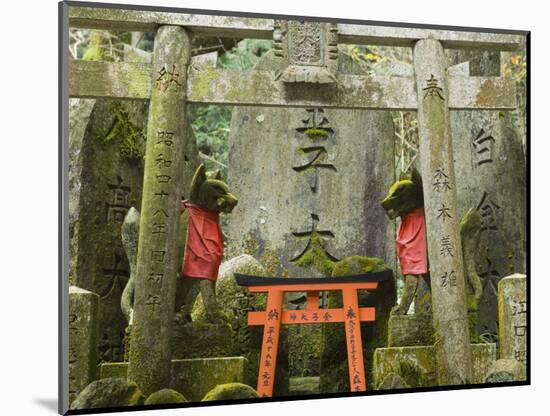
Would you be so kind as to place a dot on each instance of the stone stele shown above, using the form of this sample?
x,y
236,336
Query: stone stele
x,y
512,317
295,169
105,181
309,177
489,160
83,329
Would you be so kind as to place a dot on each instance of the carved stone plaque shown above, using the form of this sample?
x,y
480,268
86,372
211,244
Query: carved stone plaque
x,y
309,51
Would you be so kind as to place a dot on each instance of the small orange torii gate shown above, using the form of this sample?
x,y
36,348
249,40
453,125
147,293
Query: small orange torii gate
x,y
274,315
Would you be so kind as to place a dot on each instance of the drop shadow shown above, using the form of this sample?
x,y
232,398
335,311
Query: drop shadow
x,y
49,404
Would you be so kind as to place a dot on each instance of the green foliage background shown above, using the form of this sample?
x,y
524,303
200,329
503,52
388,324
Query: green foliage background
x,y
211,122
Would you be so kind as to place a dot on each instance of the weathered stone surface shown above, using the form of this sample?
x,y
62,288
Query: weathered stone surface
x,y
157,262
79,116
108,392
230,391
278,193
334,375
165,396
490,162
234,299
106,181
506,369
392,381
308,51
192,378
130,235
442,221
101,79
410,330
303,385
512,317
201,340
406,36
83,330
417,365
245,27
139,20
135,80
130,231
287,187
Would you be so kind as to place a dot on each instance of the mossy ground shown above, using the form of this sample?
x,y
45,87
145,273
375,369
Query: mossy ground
x,y
230,391
165,396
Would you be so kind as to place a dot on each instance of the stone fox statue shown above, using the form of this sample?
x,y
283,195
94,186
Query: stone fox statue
x,y
203,249
203,254
405,200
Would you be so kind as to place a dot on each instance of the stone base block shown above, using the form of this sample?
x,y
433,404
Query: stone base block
x,y
417,330
303,385
410,330
196,340
416,365
193,378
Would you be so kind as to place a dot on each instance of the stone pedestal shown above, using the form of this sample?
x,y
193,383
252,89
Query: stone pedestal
x,y
512,317
83,329
198,340
410,330
192,378
417,365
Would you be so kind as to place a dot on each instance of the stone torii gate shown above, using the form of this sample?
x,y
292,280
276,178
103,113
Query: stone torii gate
x,y
309,79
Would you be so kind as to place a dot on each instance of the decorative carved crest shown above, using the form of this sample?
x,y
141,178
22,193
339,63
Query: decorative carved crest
x,y
309,51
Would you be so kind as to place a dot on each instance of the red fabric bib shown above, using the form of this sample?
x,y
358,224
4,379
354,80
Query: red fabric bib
x,y
204,246
411,243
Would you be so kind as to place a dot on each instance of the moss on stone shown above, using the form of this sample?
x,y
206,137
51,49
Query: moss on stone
x,y
131,138
203,84
230,391
316,134
411,374
165,396
358,265
317,256
113,370
201,339
304,349
95,51
108,392
304,385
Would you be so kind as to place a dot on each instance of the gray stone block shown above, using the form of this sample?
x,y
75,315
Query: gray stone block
x,y
83,330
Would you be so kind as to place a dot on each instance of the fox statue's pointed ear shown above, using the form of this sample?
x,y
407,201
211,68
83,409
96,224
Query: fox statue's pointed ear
x,y
198,180
217,175
403,176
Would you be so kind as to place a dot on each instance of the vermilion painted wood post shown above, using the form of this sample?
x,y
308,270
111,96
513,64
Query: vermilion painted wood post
x,y
270,342
357,380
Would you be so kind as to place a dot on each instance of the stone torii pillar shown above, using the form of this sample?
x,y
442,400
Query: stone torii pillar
x,y
155,291
450,319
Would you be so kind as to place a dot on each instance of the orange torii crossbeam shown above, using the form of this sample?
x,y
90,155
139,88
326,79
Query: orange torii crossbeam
x,y
274,315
